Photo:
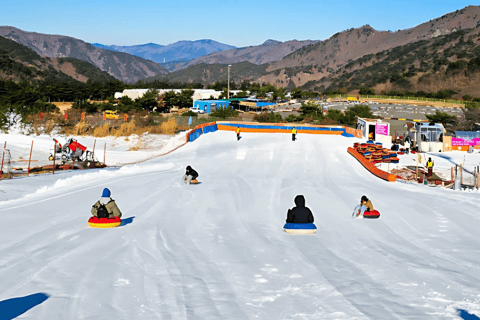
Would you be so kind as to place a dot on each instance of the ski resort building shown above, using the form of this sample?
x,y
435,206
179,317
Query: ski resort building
x,y
199,94
209,106
375,129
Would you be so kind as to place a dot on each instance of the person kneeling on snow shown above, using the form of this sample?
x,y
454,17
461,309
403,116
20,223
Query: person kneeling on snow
x,y
190,175
365,205
106,206
300,213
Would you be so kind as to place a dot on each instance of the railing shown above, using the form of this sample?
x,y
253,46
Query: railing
x,y
397,98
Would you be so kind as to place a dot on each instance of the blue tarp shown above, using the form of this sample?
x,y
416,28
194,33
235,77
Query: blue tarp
x,y
198,132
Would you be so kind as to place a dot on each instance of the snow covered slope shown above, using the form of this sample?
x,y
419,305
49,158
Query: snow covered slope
x,y
217,250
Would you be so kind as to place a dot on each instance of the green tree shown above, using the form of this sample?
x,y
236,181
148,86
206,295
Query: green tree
x,y
296,93
310,109
441,117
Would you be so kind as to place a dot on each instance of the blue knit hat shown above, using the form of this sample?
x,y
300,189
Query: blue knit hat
x,y
106,193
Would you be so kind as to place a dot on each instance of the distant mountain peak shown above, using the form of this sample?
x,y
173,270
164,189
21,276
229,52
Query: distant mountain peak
x,y
271,42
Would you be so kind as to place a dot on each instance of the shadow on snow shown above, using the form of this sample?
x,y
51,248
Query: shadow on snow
x,y
12,308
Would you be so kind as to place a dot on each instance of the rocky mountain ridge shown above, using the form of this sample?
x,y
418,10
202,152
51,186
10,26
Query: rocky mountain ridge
x,y
122,66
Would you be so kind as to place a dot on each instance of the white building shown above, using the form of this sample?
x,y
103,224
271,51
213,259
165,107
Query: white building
x,y
199,94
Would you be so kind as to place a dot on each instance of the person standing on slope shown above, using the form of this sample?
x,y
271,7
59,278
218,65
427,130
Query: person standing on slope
x,y
407,146
294,133
106,207
365,205
430,167
238,133
299,213
190,175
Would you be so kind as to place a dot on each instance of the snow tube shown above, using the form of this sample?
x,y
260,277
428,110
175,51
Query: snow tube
x,y
300,228
371,214
193,181
371,167
400,152
370,142
95,222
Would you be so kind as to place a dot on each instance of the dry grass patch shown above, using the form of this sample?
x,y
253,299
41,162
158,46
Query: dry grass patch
x,y
80,128
169,127
126,129
102,131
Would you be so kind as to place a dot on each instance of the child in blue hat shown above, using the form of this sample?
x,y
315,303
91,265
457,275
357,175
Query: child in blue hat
x,y
106,207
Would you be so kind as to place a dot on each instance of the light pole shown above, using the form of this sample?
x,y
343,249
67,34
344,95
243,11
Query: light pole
x,y
228,84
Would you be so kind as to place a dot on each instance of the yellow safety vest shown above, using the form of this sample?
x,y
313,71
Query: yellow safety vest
x,y
294,131
238,130
429,164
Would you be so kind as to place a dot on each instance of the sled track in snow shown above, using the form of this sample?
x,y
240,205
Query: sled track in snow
x,y
217,250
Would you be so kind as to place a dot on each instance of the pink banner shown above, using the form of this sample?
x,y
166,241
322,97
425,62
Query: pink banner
x,y
457,142
382,129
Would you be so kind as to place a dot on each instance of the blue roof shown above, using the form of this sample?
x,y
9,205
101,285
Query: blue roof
x,y
263,104
211,101
467,135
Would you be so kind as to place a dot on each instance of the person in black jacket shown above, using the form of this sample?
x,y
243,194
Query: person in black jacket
x,y
190,174
300,213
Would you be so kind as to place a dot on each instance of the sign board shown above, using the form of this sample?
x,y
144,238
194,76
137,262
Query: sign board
x,y
381,129
458,142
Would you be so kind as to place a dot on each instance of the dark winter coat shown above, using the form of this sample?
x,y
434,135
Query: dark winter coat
x,y
300,213
193,173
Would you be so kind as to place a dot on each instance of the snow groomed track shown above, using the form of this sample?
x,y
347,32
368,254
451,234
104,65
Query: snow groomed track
x,y
217,250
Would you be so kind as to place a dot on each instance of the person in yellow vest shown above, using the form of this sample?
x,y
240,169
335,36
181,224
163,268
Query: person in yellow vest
x,y
430,167
294,133
370,136
238,134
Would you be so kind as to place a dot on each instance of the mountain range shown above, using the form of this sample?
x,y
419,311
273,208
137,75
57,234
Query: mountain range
x,y
178,51
434,55
336,63
19,63
123,66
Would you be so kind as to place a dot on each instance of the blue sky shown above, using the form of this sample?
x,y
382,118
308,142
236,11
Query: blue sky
x,y
238,23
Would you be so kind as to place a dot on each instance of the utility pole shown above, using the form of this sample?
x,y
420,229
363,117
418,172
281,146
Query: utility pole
x,y
228,85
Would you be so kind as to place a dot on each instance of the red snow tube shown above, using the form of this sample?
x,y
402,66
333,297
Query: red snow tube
x,y
95,222
371,214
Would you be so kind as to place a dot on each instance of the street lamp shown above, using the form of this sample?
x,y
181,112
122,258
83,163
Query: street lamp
x,y
228,85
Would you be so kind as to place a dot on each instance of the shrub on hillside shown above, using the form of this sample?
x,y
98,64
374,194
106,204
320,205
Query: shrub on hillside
x,y
189,114
224,113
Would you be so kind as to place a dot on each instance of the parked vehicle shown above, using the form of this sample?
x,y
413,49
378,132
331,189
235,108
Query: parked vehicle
x,y
109,114
197,110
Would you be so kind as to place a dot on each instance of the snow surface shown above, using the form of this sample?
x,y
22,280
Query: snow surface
x,y
217,250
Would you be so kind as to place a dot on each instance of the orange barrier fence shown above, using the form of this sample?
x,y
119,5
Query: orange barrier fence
x,y
261,130
287,128
371,167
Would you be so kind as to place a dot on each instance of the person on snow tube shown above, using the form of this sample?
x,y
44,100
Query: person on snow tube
x,y
365,205
300,213
190,174
106,207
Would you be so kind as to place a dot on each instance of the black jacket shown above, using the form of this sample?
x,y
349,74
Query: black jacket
x,y
300,213
191,172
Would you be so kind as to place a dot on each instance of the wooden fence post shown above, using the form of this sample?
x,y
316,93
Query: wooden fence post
x,y
461,174
54,156
30,159
93,154
3,157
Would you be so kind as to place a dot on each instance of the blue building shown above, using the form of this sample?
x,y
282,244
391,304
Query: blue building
x,y
209,106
